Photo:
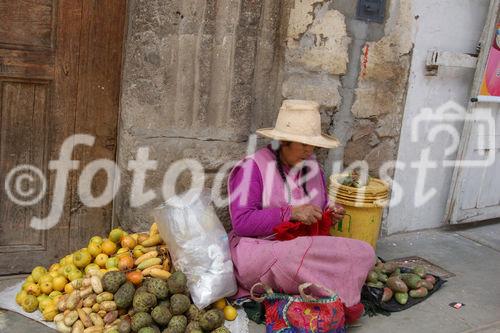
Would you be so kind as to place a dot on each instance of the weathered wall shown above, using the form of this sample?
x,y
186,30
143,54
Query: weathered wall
x,y
357,71
446,25
199,76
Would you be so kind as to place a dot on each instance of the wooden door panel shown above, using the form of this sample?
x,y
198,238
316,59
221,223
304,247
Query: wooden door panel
x,y
27,23
60,63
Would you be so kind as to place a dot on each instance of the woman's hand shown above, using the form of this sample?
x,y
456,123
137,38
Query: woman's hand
x,y
307,214
338,212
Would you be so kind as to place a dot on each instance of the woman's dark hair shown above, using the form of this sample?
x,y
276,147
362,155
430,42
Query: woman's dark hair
x,y
279,166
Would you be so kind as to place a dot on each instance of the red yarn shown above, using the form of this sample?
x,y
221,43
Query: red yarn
x,y
290,230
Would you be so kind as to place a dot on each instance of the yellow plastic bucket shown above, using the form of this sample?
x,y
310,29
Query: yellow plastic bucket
x,y
364,211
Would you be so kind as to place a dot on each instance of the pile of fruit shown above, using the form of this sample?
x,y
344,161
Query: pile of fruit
x,y
398,285
120,284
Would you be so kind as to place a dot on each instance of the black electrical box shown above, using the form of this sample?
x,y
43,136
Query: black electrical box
x,y
371,10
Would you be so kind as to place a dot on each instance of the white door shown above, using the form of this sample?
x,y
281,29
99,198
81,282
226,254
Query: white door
x,y
475,186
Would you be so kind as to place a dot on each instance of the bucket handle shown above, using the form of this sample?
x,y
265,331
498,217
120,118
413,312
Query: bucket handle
x,y
268,291
340,223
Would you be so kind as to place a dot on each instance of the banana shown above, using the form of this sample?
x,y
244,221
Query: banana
x,y
148,263
153,230
152,241
147,271
160,273
146,256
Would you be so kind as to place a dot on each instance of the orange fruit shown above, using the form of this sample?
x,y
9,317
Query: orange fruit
x,y
135,277
125,262
220,304
108,247
128,242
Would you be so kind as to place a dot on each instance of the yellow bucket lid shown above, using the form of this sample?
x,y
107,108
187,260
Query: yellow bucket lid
x,y
375,187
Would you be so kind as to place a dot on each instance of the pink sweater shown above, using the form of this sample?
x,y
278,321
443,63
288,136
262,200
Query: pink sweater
x,y
251,220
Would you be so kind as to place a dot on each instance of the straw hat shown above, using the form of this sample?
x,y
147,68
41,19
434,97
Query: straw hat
x,y
299,121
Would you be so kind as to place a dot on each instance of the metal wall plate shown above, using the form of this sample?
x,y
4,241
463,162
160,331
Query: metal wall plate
x,y
371,10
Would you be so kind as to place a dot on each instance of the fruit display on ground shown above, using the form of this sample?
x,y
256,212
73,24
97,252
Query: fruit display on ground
x,y
400,286
123,283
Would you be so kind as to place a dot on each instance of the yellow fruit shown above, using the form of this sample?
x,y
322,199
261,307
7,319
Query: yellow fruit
x,y
74,275
68,288
135,237
59,283
82,258
33,289
112,263
42,304
54,274
230,313
57,298
60,271
45,278
115,235
138,251
101,259
113,269
108,247
54,267
50,312
46,287
20,296
69,259
55,293
26,284
220,304
30,279
122,251
94,249
69,268
38,272
30,303
104,271
96,240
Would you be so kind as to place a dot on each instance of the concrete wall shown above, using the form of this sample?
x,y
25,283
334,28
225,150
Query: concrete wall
x,y
447,25
356,70
199,76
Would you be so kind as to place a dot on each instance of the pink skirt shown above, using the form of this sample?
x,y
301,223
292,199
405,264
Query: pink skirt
x,y
340,264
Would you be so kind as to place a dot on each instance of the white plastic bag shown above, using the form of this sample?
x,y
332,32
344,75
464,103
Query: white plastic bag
x,y
198,245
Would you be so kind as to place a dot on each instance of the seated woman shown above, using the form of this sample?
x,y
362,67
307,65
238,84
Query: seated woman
x,y
285,183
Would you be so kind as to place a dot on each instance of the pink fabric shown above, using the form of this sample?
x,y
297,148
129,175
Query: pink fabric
x,y
275,193
339,264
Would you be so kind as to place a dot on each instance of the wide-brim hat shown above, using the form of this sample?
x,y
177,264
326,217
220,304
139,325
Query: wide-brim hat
x,y
300,121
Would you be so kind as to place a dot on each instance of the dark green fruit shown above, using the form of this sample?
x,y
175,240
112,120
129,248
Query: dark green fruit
x,y
161,315
140,320
125,295
382,278
410,279
111,281
211,320
177,283
375,285
419,270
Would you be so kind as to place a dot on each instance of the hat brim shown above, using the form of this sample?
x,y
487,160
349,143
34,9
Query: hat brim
x,y
323,140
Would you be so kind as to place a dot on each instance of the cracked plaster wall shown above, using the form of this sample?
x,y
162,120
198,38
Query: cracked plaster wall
x,y
357,71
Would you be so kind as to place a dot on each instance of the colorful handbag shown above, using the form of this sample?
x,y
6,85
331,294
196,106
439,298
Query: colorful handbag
x,y
303,313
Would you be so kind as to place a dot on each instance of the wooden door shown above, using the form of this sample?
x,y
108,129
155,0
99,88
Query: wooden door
x,y
60,63
474,194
